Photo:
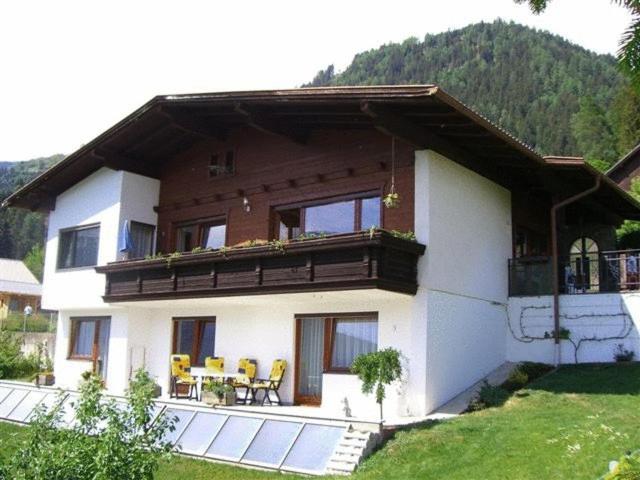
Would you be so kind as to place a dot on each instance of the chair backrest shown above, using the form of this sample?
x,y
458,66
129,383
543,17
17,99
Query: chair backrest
x,y
214,364
277,370
180,365
248,368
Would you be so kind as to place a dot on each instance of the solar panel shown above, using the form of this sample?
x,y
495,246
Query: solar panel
x,y
302,445
26,406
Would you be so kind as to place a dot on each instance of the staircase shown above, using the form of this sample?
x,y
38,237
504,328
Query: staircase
x,y
354,446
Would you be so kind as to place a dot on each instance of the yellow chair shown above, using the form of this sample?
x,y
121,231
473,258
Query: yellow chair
x,y
247,369
214,364
180,368
272,384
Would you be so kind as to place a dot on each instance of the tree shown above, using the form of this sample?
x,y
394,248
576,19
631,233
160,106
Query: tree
x,y
629,52
376,370
594,135
106,441
35,261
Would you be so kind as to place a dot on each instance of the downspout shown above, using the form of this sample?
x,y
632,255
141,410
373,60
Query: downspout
x,y
554,262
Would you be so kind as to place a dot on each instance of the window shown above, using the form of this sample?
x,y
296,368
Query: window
x,y
205,234
350,338
341,216
142,235
330,343
195,337
222,164
78,247
89,337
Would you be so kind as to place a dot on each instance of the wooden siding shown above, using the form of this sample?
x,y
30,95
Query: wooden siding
x,y
272,171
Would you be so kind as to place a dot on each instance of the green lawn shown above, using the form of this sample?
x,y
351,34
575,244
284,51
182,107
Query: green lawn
x,y
568,424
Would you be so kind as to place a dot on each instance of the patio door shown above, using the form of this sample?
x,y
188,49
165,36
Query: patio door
x,y
310,333
90,341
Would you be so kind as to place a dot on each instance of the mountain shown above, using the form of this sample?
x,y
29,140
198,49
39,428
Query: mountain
x,y
21,230
528,81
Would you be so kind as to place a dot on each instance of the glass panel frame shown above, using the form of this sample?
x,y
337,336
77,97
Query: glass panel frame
x,y
212,423
23,410
11,401
185,417
271,440
234,438
313,448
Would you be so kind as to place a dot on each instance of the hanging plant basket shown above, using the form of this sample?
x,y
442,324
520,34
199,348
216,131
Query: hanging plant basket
x,y
392,200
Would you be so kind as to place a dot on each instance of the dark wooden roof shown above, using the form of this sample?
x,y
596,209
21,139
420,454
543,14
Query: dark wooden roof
x,y
422,115
626,168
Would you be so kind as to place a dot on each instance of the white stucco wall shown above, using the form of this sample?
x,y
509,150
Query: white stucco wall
x,y
590,316
261,327
106,197
109,198
466,226
96,199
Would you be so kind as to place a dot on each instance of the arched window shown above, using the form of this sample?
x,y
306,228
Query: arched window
x,y
583,262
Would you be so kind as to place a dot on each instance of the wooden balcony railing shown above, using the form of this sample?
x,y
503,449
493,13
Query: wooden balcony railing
x,y
339,262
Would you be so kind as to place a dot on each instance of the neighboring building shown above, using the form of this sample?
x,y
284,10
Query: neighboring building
x,y
216,170
626,169
18,288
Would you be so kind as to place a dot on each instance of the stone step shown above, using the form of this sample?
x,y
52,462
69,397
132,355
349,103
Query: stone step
x,y
347,467
356,434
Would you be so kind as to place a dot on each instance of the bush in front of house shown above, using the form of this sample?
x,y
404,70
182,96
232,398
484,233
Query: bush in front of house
x,y
496,395
13,364
105,442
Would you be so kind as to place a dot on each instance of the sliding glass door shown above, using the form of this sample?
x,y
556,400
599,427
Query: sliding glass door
x,y
310,360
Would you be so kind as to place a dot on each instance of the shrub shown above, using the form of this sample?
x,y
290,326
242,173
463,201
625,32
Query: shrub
x,y
517,379
489,396
621,354
534,370
13,364
106,441
628,468
376,370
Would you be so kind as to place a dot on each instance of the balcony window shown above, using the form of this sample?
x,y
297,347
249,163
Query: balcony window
x,y
328,218
78,247
204,234
195,337
142,236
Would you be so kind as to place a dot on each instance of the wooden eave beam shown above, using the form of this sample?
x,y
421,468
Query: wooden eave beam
x,y
264,123
190,124
397,126
118,161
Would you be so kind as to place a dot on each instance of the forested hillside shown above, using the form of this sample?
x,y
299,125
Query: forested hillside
x,y
556,96
21,230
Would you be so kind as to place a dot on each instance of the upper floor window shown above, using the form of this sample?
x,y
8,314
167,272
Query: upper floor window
x,y
221,164
142,236
343,215
205,234
78,247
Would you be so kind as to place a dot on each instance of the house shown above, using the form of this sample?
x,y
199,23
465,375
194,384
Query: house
x,y
18,288
273,203
626,169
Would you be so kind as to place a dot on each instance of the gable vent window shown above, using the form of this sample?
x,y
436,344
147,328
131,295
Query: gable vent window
x,y
222,164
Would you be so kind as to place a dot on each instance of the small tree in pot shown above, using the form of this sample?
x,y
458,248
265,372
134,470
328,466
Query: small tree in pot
x,y
376,370
218,393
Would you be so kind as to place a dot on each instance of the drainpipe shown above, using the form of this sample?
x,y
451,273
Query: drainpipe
x,y
554,262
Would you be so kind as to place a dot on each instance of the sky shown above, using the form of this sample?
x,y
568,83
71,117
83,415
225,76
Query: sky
x,y
71,69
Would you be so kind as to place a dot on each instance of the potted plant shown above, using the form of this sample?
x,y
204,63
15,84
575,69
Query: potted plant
x,y
45,375
218,393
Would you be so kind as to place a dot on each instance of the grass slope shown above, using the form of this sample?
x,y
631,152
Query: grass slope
x,y
566,425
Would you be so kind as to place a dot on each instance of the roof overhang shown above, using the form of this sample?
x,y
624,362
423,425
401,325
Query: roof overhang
x,y
423,116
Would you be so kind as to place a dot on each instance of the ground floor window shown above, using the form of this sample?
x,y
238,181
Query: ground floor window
x,y
329,343
196,337
89,340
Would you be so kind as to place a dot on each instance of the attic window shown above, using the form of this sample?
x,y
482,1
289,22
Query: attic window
x,y
222,164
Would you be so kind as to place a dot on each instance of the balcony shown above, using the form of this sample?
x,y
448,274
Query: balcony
x,y
339,262
603,272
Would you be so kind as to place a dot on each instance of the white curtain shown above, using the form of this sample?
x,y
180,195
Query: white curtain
x,y
353,337
311,353
85,334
